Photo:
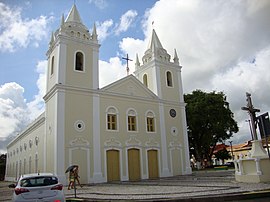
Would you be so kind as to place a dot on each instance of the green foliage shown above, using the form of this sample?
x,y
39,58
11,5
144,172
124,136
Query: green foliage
x,y
223,154
3,158
209,121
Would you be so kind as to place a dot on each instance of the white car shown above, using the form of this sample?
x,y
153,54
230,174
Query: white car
x,y
38,187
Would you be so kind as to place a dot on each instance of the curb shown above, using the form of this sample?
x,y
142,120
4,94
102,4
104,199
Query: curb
x,y
213,198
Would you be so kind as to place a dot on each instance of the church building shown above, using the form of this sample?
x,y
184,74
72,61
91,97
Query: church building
x,y
134,128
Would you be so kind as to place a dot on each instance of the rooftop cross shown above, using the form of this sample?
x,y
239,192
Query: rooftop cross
x,y
252,113
127,59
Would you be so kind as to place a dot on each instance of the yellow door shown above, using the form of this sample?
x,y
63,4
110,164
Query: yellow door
x,y
113,171
134,170
152,164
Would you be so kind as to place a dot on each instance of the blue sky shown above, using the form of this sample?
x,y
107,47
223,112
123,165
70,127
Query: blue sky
x,y
222,46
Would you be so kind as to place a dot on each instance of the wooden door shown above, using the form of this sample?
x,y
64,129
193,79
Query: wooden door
x,y
113,169
134,166
152,164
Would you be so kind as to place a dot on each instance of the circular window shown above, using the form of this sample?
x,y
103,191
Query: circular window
x,y
174,131
79,125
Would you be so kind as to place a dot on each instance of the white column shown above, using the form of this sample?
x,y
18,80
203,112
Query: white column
x,y
186,145
258,167
241,169
95,67
59,143
97,175
45,146
155,81
158,82
62,63
180,86
164,150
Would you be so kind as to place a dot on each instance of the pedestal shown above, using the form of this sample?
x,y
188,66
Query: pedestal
x,y
257,150
255,168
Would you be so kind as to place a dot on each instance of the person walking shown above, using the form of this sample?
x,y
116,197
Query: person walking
x,y
76,175
71,179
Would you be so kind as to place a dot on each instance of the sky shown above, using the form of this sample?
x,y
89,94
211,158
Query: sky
x,y
222,46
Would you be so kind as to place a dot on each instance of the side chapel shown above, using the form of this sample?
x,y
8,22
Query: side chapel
x,y
132,129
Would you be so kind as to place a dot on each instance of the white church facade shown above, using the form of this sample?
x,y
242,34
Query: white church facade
x,y
132,129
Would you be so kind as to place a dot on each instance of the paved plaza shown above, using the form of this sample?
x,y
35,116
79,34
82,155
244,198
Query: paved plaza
x,y
217,185
200,186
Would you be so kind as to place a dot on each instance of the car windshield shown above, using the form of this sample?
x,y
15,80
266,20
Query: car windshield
x,y
38,181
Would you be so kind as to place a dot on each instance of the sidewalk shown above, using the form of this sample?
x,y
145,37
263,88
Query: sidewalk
x,y
200,186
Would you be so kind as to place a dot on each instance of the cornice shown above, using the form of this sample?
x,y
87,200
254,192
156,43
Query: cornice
x,y
35,124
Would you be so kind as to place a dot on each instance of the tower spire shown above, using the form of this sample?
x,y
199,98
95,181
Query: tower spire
x,y
74,15
52,39
94,32
176,59
137,64
154,42
62,21
155,50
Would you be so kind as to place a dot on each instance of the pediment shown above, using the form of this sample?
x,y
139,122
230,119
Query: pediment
x,y
130,86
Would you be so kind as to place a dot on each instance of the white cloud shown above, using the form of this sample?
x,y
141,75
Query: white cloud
x,y
216,43
210,37
110,71
103,29
13,109
126,21
16,32
36,107
133,47
252,77
15,112
101,4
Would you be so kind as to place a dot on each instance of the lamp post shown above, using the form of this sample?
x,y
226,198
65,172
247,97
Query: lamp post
x,y
231,149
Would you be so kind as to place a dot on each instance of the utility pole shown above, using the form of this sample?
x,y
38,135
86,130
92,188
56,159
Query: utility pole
x,y
231,149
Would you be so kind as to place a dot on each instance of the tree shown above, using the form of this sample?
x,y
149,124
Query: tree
x,y
209,121
222,155
3,158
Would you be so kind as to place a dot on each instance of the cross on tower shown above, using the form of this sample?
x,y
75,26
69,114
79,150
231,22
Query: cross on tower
x,y
252,113
127,59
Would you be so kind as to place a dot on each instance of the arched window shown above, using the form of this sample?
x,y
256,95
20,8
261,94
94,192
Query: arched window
x,y
79,61
112,122
145,80
52,65
132,120
150,121
169,79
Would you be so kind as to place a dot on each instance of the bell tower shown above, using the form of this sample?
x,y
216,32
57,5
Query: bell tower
x,y
72,76
163,77
158,73
73,54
